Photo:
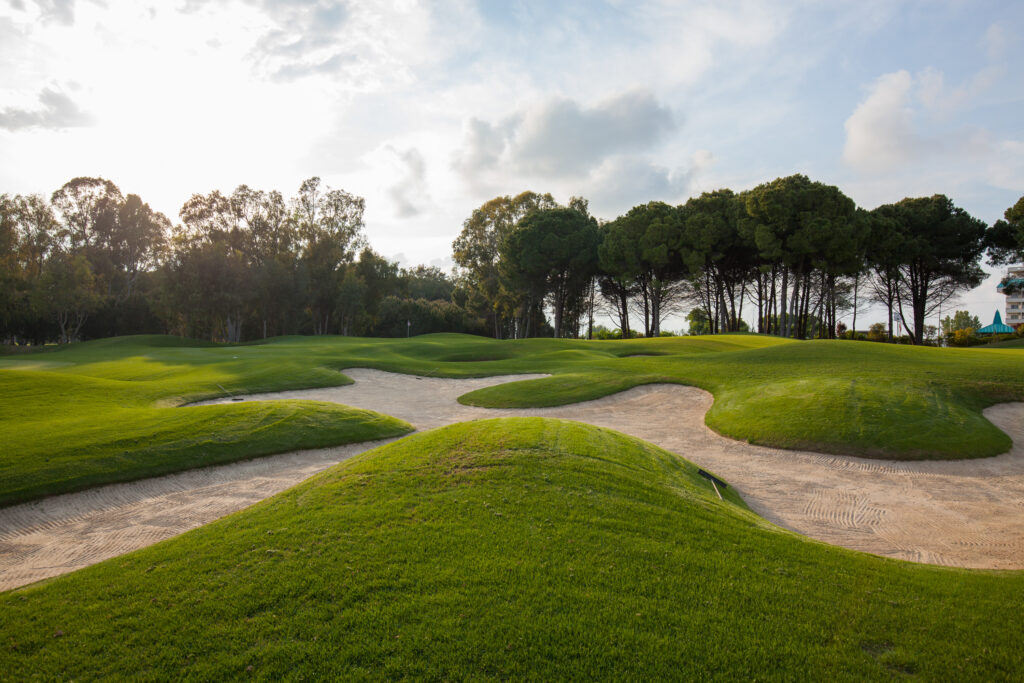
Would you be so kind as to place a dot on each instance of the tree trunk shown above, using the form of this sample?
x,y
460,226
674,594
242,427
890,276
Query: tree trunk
x,y
783,318
856,282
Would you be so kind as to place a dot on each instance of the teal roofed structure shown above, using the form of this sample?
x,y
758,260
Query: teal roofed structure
x,y
1014,282
997,327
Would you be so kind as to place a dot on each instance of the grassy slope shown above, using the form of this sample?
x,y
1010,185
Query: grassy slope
x,y
1010,344
855,398
57,408
64,431
522,548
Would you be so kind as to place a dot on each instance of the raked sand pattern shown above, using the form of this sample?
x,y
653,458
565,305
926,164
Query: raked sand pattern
x,y
963,513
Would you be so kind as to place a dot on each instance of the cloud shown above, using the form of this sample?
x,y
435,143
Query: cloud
x,y
57,11
896,125
561,138
58,111
362,46
303,38
623,182
880,133
410,193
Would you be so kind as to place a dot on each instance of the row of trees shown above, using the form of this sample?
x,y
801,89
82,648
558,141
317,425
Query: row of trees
x,y
800,253
92,262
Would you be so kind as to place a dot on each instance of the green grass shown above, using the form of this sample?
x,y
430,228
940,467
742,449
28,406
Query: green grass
x,y
1008,344
517,548
65,432
105,411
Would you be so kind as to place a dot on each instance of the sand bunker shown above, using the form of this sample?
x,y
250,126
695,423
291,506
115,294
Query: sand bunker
x,y
962,513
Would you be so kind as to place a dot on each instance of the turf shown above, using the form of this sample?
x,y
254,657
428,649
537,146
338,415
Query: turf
x,y
104,411
517,548
65,432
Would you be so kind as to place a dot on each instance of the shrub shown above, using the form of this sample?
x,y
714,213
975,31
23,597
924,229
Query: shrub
x,y
876,332
964,337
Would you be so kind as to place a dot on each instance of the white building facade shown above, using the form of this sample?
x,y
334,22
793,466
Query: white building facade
x,y
1015,302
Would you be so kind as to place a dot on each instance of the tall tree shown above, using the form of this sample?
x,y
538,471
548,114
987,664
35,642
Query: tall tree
x,y
1005,239
329,226
639,247
135,243
794,220
884,258
552,253
88,207
476,248
718,255
940,254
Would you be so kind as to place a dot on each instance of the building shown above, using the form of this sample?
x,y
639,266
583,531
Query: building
x,y
1015,301
997,327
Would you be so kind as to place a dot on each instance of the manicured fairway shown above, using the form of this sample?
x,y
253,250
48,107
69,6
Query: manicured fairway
x,y
521,547
103,411
64,430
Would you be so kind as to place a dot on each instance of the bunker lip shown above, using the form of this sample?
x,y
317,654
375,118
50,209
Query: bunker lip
x,y
962,513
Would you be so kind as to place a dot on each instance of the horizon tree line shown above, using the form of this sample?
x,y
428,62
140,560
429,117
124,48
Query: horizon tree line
x,y
90,261
800,252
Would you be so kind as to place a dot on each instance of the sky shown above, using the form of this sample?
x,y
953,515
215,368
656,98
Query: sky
x,y
430,109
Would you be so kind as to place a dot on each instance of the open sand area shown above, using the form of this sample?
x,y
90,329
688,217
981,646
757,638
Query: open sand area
x,y
960,513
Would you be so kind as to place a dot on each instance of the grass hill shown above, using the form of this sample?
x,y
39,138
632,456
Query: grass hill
x,y
527,548
104,411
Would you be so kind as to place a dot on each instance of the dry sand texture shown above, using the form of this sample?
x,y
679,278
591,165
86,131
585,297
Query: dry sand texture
x,y
963,513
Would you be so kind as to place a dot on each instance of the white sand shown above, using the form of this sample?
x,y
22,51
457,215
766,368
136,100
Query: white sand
x,y
966,513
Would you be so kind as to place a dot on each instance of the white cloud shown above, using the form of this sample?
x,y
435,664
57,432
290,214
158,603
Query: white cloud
x,y
907,120
409,193
57,111
58,11
623,182
880,133
561,138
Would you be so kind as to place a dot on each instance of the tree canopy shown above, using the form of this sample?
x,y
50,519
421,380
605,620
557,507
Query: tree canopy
x,y
94,261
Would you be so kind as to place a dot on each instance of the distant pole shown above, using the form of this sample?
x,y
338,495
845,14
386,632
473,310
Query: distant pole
x,y
408,327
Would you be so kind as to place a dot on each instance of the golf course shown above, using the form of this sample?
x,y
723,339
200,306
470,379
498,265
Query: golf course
x,y
502,546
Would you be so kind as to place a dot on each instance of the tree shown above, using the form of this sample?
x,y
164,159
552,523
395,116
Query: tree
x,y
1005,239
796,225
961,320
884,257
380,278
639,249
552,253
88,207
329,228
475,251
940,252
138,236
699,323
719,257
11,279
426,282
67,291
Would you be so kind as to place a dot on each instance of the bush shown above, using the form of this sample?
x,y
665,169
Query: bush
x,y
876,332
964,337
425,317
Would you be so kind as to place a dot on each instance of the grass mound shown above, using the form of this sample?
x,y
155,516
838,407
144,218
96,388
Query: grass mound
x,y
65,432
103,400
524,547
